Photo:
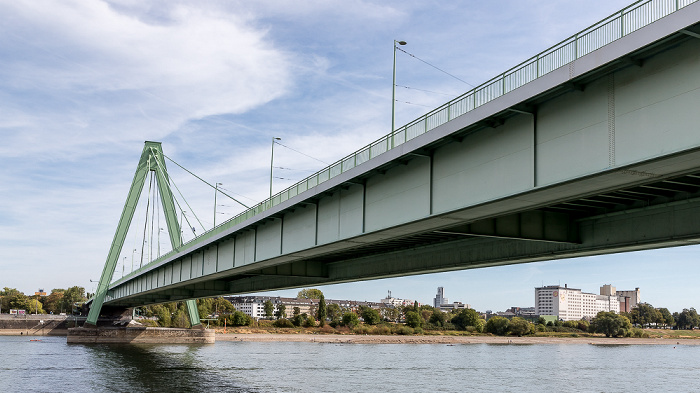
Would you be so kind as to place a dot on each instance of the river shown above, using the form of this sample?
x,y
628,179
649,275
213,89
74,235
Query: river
x,y
52,365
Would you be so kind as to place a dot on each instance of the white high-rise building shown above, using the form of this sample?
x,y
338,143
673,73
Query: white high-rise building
x,y
440,298
571,304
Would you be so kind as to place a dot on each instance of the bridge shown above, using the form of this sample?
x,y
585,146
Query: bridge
x,y
590,147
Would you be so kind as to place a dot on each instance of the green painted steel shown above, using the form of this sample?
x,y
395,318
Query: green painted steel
x,y
151,160
618,25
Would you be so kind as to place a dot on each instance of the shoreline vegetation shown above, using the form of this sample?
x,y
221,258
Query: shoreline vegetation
x,y
655,337
445,339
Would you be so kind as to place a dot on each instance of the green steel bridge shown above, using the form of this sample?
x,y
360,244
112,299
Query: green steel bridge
x,y
590,147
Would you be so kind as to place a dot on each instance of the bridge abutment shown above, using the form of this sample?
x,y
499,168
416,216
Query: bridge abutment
x,y
139,335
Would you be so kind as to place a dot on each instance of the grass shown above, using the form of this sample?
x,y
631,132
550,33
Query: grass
x,y
673,334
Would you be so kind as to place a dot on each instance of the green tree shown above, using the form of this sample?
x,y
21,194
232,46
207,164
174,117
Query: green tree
x,y
480,325
296,311
180,318
163,314
204,307
239,318
497,325
73,295
309,322
281,311
687,319
666,317
390,313
220,305
34,306
518,326
298,320
321,313
464,318
437,318
610,324
54,302
269,308
11,298
370,315
350,319
413,319
645,314
310,293
334,312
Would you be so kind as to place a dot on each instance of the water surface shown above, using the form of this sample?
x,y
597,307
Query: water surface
x,y
53,365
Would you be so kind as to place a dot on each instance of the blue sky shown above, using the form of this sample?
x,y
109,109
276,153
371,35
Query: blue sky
x,y
83,83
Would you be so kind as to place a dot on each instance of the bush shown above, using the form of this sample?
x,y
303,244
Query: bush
x,y
480,325
518,326
325,329
381,330
309,322
403,330
371,316
298,320
437,318
497,325
361,329
149,322
413,319
638,333
610,324
465,318
418,330
350,319
239,318
283,323
541,328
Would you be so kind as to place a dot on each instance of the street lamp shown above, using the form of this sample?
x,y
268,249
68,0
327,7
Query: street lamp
x,y
159,231
216,191
272,158
393,91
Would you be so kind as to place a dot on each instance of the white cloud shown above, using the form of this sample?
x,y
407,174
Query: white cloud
x,y
94,67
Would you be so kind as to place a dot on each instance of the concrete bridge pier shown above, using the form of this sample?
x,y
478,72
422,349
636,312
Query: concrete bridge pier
x,y
139,335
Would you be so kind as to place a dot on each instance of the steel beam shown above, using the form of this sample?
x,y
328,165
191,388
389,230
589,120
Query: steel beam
x,y
151,160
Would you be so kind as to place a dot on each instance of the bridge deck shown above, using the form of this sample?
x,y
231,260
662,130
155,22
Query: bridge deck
x,y
555,164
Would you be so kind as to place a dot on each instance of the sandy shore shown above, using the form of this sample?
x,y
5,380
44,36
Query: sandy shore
x,y
447,340
33,332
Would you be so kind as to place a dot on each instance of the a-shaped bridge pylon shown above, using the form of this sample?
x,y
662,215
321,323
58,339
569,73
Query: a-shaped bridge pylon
x,y
152,159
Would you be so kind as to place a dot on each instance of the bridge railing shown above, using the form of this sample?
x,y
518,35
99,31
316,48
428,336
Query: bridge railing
x,y
614,27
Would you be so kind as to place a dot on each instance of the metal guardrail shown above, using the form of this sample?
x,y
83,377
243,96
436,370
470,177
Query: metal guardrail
x,y
612,28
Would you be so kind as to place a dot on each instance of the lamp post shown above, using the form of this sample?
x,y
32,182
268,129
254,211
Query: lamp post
x,y
272,159
393,91
216,191
159,231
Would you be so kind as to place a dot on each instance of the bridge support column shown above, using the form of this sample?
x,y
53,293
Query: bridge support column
x,y
152,159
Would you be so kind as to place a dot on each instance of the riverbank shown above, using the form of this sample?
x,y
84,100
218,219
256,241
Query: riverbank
x,y
445,340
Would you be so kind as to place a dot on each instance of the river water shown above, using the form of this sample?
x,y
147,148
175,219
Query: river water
x,y
52,365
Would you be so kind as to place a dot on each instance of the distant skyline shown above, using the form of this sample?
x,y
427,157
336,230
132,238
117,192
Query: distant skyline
x,y
84,82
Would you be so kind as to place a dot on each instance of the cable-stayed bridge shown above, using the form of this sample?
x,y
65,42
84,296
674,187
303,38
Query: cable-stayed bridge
x,y
590,147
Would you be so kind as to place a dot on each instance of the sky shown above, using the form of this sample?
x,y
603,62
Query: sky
x,y
83,83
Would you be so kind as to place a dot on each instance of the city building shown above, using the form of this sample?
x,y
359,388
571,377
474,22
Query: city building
x,y
396,302
628,299
440,298
255,305
443,304
571,304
